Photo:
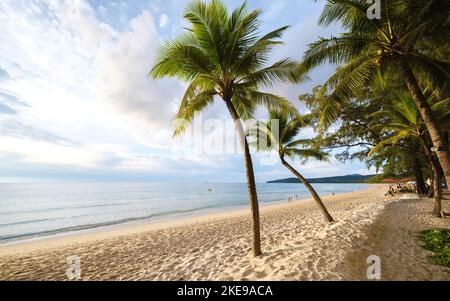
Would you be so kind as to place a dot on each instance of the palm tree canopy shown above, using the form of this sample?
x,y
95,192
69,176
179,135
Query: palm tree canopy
x,y
280,133
402,119
223,54
369,46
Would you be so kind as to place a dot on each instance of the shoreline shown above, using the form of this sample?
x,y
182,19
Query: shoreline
x,y
151,225
297,245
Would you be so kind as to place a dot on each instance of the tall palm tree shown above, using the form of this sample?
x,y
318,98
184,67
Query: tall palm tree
x,y
279,134
369,46
223,55
402,120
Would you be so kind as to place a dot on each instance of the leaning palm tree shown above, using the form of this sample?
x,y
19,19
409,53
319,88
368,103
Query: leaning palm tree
x,y
279,134
223,55
392,42
402,120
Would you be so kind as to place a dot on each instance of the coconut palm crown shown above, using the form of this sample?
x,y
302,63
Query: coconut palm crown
x,y
280,133
224,55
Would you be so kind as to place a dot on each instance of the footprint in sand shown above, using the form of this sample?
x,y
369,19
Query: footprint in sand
x,y
260,274
247,273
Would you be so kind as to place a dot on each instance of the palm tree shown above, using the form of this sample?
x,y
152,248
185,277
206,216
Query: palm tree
x,y
371,46
402,120
279,134
223,55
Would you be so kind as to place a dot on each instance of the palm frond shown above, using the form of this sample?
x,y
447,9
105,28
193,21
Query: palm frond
x,y
389,141
436,72
349,81
257,54
244,106
280,72
334,50
266,100
352,14
191,105
306,154
181,59
205,25
300,142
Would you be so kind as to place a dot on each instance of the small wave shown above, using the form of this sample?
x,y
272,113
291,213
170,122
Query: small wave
x,y
27,222
63,208
174,213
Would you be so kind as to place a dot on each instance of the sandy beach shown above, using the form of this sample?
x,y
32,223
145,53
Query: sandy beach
x,y
297,245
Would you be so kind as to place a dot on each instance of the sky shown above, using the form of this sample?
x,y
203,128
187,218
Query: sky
x,y
76,102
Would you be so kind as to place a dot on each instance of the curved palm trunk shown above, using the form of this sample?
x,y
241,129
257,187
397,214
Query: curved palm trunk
x,y
311,189
254,206
437,136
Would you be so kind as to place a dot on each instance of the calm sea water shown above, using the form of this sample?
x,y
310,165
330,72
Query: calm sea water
x,y
30,210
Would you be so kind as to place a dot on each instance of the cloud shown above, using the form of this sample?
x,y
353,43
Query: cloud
x,y
101,97
163,21
296,41
123,83
11,99
79,16
5,109
103,10
14,128
10,104
4,74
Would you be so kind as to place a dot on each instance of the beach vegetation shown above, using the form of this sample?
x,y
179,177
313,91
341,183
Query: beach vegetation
x,y
438,242
392,44
401,121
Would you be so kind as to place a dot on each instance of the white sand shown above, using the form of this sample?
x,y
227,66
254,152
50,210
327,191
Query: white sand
x,y
297,245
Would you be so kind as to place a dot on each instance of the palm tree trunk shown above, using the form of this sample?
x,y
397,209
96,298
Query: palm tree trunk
x,y
437,136
421,189
431,191
438,194
254,205
446,137
436,185
311,189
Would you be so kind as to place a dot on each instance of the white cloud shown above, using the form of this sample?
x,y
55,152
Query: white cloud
x,y
79,16
296,40
163,21
123,84
81,80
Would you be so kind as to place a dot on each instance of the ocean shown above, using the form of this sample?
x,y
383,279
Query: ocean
x,y
35,210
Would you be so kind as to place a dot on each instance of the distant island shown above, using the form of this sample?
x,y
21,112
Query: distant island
x,y
356,178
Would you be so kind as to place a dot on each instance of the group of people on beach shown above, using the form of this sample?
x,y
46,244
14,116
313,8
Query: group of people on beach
x,y
408,188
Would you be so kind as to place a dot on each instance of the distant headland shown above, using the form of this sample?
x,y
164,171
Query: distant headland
x,y
355,178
